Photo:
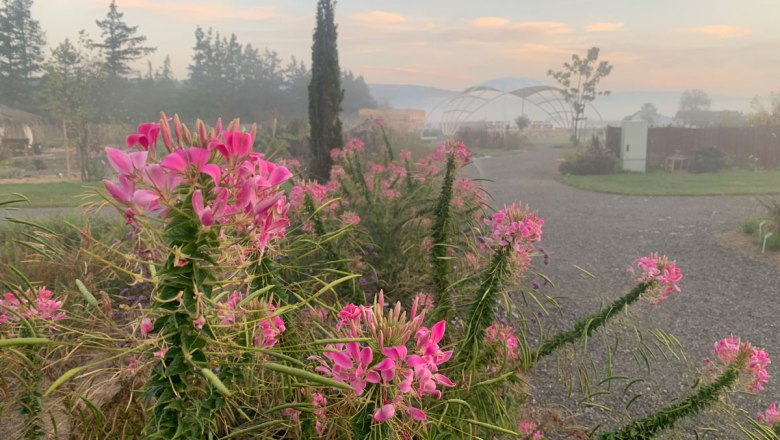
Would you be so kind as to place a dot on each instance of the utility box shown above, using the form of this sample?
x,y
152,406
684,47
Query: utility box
x,y
633,146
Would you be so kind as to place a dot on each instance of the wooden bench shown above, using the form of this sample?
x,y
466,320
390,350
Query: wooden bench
x,y
677,162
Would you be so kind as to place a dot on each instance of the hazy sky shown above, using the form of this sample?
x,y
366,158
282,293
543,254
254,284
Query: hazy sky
x,y
721,46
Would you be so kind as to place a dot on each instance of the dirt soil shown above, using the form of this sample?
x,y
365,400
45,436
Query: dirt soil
x,y
740,242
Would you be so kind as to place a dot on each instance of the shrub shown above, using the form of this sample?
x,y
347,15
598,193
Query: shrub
x,y
11,173
707,160
266,318
750,226
588,162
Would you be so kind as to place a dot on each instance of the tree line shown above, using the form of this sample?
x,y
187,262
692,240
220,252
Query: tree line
x,y
92,79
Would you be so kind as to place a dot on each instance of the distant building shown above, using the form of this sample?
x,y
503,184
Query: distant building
x,y
408,120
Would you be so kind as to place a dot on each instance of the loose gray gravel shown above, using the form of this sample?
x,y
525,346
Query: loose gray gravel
x,y
723,292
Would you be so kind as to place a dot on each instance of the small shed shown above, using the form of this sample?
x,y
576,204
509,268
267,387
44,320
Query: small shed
x,y
19,131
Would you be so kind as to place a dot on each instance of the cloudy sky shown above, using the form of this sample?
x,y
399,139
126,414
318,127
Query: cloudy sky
x,y
722,46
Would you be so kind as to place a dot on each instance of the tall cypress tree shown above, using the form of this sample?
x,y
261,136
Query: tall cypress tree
x,y
325,93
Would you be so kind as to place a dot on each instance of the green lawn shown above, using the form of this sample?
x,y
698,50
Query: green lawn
x,y
680,184
50,195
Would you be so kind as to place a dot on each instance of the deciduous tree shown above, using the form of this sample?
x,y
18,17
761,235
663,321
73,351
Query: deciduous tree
x,y
579,79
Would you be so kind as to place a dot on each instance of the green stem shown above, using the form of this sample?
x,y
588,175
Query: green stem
x,y
586,327
31,402
350,294
439,261
185,400
648,427
390,155
483,311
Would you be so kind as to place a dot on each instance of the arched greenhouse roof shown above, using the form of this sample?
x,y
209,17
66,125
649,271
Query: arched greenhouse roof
x,y
520,86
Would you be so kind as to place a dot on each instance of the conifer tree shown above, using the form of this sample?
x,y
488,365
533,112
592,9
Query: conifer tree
x,y
325,92
120,45
21,50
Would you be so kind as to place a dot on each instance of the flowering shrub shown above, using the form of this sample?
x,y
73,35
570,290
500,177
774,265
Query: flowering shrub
x,y
278,307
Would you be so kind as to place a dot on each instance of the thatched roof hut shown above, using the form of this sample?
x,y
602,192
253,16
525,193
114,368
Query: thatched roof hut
x,y
16,129
10,116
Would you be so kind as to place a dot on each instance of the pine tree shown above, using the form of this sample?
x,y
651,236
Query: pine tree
x,y
325,92
120,44
21,49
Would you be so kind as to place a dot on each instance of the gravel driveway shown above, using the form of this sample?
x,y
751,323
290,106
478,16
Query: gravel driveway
x,y
723,292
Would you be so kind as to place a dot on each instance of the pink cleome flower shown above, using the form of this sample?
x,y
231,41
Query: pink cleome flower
x,y
771,416
517,228
240,189
503,336
319,403
31,305
729,349
407,374
661,273
529,430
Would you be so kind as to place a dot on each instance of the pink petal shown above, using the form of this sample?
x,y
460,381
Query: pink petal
x,y
437,331
266,203
131,140
373,377
119,161
386,412
279,175
213,171
397,352
385,364
366,356
146,199
174,162
198,157
123,193
138,158
415,361
205,216
443,380
359,386
417,414
339,358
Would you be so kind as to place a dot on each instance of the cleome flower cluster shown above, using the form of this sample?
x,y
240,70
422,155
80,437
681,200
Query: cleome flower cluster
x,y
228,183
516,228
728,350
661,273
30,305
399,368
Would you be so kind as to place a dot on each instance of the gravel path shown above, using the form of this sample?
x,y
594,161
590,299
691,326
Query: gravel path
x,y
723,292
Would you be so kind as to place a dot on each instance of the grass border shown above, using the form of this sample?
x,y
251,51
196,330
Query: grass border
x,y
678,184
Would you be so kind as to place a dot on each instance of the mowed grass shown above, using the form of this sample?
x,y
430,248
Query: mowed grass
x,y
680,184
50,195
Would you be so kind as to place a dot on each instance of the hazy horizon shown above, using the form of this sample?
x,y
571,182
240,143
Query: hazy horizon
x,y
667,46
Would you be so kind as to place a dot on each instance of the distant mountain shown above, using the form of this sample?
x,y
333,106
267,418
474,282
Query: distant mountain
x,y
409,96
612,107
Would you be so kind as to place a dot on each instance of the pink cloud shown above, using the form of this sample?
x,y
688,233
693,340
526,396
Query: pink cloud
x,y
490,22
199,11
543,27
379,17
719,31
604,27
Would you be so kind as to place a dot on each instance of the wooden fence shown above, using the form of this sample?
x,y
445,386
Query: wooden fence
x,y
744,146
